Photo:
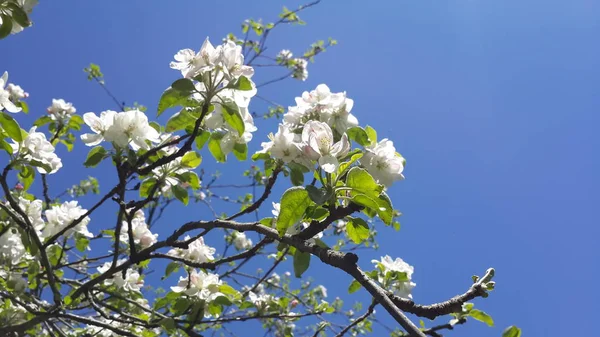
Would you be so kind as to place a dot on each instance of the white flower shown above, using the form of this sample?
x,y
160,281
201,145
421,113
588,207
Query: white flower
x,y
339,116
16,92
141,233
276,209
320,96
5,96
203,285
36,147
284,145
232,61
167,173
121,128
131,282
284,55
318,138
197,251
383,163
401,289
98,124
300,69
12,250
241,242
59,217
261,300
192,64
61,110
321,290
33,209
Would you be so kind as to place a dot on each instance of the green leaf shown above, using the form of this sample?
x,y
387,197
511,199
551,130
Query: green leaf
x,y
294,203
26,176
6,147
147,186
42,121
171,98
81,243
228,290
191,159
19,15
297,176
243,83
366,201
45,167
372,134
386,210
183,85
357,230
354,286
201,139
301,262
318,195
75,122
180,306
362,181
24,106
11,127
6,26
181,120
233,117
95,156
240,151
214,146
181,194
346,165
191,178
482,317
512,331
359,135
171,268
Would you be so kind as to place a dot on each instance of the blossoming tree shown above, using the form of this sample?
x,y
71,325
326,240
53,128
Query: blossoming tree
x,y
57,278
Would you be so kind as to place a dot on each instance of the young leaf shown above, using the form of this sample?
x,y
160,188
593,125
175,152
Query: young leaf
x,y
180,120
482,317
231,115
354,286
181,194
357,230
362,181
372,134
171,98
146,187
11,127
171,268
359,135
240,151
184,85
191,159
301,263
214,146
201,139
243,83
512,331
95,156
6,26
294,203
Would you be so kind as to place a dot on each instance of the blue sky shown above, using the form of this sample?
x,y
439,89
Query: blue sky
x,y
493,103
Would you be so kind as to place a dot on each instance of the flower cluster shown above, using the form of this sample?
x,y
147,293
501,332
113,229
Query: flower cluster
x,y
197,251
216,69
297,65
37,150
130,280
120,128
396,276
10,95
60,111
204,286
59,217
240,241
315,130
141,233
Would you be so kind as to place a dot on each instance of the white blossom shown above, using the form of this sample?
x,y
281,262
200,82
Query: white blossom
x,y
16,92
35,147
284,145
401,289
232,61
5,96
59,217
321,290
284,55
33,209
12,250
131,282
300,69
383,163
167,173
197,251
191,64
61,110
203,285
241,242
141,233
121,128
319,145
261,300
